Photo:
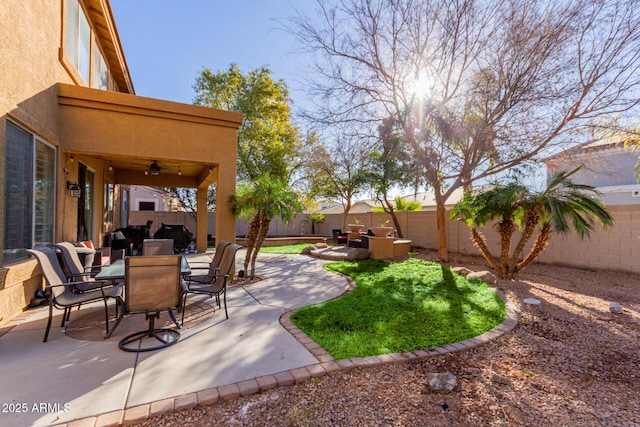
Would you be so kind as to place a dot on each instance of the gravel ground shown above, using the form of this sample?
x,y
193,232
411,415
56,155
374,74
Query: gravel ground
x,y
569,362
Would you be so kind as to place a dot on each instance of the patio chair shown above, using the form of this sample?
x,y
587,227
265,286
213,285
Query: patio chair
x,y
157,247
77,272
339,238
152,284
62,296
214,265
213,284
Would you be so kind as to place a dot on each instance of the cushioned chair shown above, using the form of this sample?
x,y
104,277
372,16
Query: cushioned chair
x,y
61,293
339,238
157,247
213,284
77,272
152,284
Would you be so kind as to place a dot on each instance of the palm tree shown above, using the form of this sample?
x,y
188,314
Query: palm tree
x,y
562,206
262,200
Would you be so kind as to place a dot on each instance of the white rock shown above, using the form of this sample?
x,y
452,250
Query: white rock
x,y
532,301
616,308
441,381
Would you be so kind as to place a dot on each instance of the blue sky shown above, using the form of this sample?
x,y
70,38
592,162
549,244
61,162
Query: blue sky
x,y
168,42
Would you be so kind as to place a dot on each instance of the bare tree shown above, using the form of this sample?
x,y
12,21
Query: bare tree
x,y
478,86
339,172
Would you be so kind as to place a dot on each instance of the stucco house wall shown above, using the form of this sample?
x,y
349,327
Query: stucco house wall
x,y
112,132
606,165
28,97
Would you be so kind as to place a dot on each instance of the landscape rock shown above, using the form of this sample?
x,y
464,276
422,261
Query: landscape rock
x,y
307,250
321,246
441,381
499,379
616,308
485,276
358,253
463,271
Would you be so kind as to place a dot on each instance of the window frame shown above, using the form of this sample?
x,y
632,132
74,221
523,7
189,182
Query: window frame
x,y
34,142
71,62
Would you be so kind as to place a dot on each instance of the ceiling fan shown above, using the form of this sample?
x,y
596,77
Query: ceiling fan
x,y
155,168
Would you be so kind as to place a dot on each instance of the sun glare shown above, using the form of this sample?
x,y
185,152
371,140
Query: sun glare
x,y
422,86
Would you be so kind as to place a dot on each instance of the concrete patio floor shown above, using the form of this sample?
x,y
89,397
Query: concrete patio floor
x,y
68,379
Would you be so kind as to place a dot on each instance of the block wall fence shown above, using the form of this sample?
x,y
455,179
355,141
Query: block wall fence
x,y
616,248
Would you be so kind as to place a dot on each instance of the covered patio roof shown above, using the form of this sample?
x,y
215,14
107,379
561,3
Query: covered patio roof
x,y
193,146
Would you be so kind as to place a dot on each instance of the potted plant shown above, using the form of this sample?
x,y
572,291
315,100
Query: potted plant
x,y
382,230
357,227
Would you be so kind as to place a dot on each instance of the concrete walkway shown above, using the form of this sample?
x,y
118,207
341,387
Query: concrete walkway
x,y
68,379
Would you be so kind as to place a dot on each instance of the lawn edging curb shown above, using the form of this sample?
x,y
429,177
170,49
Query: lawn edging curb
x,y
326,365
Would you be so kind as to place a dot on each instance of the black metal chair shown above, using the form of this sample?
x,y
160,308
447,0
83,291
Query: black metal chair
x,y
61,293
213,284
152,284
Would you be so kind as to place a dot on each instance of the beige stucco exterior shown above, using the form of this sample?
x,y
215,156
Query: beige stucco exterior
x,y
114,133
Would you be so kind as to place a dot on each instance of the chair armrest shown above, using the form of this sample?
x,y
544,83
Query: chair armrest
x,y
199,262
102,283
204,269
200,276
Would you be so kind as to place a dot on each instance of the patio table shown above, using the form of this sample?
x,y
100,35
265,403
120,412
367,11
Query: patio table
x,y
115,272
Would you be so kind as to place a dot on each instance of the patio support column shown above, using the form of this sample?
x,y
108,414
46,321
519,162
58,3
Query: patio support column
x,y
202,219
225,221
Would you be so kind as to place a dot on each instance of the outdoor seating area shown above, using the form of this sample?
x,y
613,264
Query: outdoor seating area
x,y
154,282
106,386
65,295
378,247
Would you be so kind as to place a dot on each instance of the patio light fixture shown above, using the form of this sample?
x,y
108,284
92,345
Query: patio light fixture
x,y
74,189
154,169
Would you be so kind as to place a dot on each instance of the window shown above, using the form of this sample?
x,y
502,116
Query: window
x,y
146,206
83,54
100,75
108,204
29,193
77,38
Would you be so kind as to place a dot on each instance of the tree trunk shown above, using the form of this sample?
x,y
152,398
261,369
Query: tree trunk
x,y
264,229
530,225
506,227
254,229
396,223
544,235
481,244
347,208
442,230
389,209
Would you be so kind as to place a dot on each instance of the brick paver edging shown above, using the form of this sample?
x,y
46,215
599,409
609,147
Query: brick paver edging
x,y
263,383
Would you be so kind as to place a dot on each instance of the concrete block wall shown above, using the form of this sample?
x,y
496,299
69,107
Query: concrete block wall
x,y
617,248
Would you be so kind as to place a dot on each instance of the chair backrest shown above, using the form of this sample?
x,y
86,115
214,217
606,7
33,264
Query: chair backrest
x,y
217,257
51,269
157,247
229,258
152,282
71,260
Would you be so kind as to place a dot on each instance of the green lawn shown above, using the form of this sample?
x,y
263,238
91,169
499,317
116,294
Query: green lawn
x,y
399,307
285,249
